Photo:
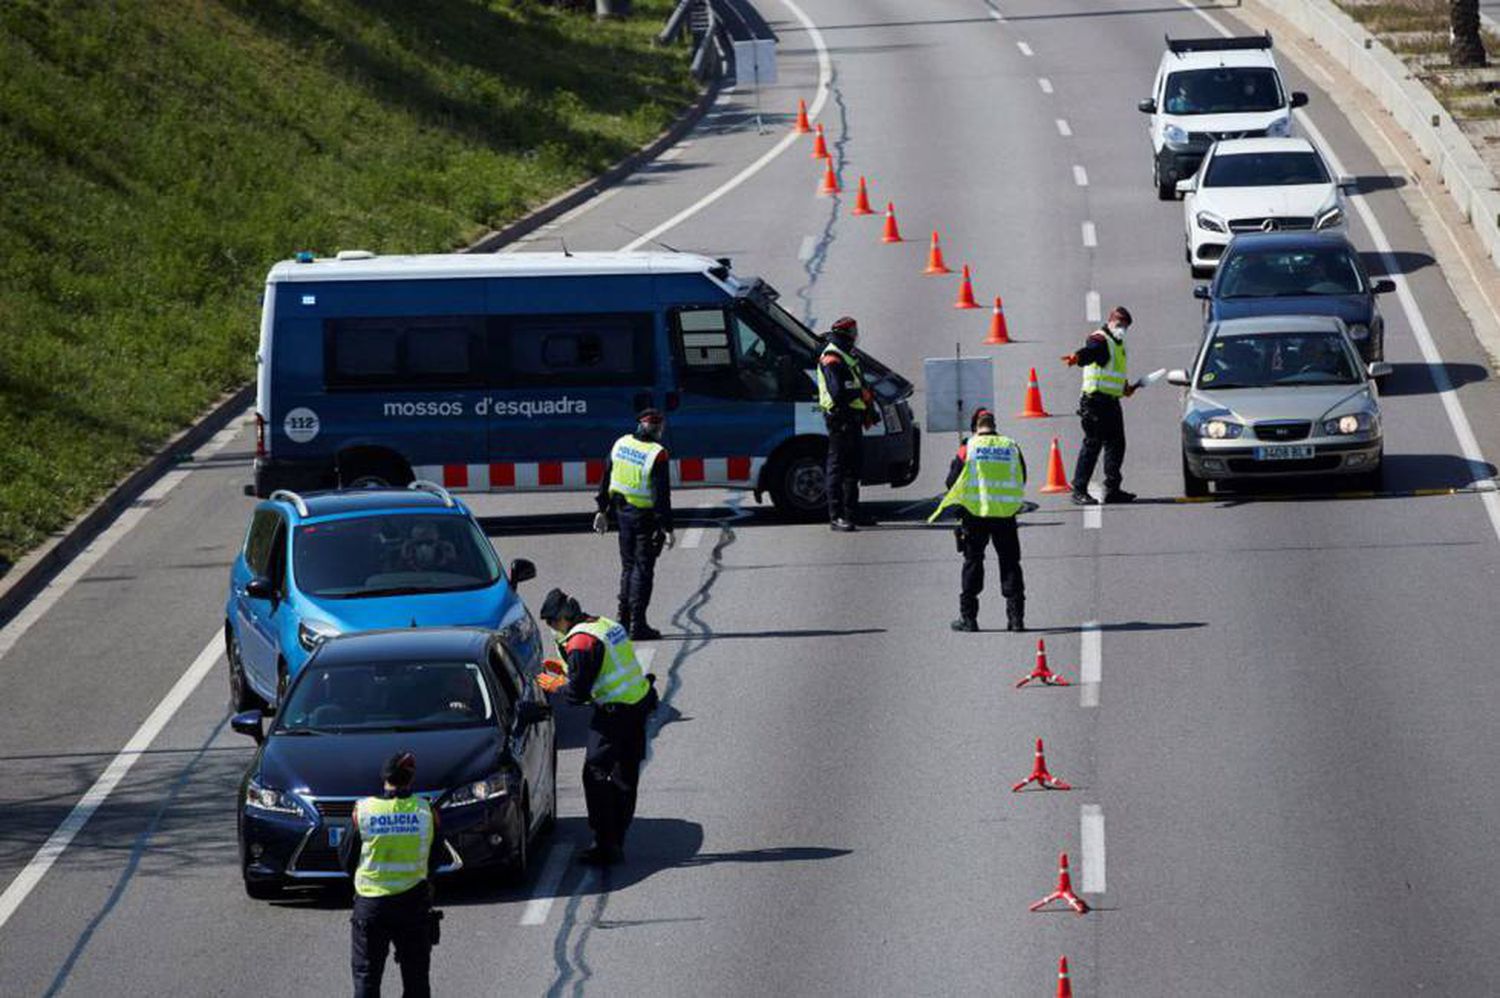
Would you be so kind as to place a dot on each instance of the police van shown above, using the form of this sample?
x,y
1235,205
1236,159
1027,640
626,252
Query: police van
x,y
516,372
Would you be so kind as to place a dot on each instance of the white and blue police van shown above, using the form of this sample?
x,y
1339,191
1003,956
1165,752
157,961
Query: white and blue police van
x,y
516,372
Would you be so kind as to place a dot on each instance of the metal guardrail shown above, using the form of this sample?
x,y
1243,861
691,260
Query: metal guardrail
x,y
724,22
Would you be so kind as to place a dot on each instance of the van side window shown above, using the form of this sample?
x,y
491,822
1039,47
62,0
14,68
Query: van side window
x,y
739,354
414,352
572,351
258,541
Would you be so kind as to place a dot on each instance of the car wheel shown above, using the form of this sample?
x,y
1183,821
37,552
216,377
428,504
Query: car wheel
x,y
519,865
241,696
798,486
262,890
550,821
1192,486
1164,192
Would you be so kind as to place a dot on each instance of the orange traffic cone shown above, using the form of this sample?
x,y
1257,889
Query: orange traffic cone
x,y
830,184
801,127
820,147
1040,672
892,234
1057,478
862,201
935,264
1064,891
999,333
966,292
1064,985
1033,408
1039,774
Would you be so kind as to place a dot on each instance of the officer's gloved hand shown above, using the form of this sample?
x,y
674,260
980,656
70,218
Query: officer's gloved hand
x,y
601,523
670,540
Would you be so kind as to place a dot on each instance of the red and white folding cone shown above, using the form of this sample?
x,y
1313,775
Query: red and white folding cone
x,y
1064,891
1040,672
1039,774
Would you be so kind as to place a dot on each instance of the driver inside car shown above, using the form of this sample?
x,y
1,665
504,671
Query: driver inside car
x,y
425,551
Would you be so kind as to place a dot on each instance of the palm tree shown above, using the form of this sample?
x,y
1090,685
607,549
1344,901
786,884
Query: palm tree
x,y
1466,45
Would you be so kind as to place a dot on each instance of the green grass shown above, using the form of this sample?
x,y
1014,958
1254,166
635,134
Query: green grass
x,y
156,158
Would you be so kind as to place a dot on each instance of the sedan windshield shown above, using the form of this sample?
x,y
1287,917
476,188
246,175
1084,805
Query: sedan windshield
x,y
1268,274
1265,169
1223,90
1265,360
387,696
392,555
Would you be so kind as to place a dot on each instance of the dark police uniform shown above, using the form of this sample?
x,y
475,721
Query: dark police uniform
x,y
637,485
848,407
986,481
1103,421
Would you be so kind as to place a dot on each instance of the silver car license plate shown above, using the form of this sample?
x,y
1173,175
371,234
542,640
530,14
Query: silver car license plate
x,y
1285,452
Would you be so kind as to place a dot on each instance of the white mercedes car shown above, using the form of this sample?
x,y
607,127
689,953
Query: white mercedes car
x,y
1258,185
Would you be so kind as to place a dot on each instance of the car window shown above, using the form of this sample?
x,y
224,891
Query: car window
x,y
1265,169
382,696
1269,273
505,673
573,351
1223,90
258,540
1264,360
393,555
429,352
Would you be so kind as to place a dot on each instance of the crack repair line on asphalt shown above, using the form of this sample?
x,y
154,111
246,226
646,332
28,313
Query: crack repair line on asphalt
x,y
815,260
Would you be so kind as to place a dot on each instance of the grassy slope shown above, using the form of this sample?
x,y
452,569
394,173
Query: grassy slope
x,y
156,158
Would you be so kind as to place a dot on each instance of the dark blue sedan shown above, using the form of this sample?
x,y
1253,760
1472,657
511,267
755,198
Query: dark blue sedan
x,y
481,729
1298,273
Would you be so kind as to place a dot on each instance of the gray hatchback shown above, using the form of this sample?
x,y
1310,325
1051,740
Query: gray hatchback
x,y
1279,395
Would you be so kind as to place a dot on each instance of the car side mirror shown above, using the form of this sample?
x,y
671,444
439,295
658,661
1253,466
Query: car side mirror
x,y
1187,186
1299,99
249,723
1201,291
260,587
1380,369
1346,182
529,712
521,570
1147,106
1384,286
1177,376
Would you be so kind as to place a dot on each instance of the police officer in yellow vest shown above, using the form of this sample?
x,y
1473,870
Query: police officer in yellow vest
x,y
848,407
602,670
1104,383
637,486
987,482
389,852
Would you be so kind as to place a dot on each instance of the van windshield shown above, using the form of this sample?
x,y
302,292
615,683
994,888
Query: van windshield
x,y
791,326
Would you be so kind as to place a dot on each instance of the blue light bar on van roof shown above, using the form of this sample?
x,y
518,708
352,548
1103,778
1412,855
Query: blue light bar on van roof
x,y
305,256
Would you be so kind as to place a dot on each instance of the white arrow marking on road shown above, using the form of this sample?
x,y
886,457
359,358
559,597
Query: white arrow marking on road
x,y
1091,665
1091,834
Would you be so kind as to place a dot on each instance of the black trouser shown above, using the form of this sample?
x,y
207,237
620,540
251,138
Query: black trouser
x,y
845,463
377,924
638,551
1103,429
612,768
979,534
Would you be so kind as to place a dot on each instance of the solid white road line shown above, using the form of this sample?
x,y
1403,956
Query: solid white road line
x,y
1045,84
825,74
1093,517
1091,834
1093,309
1080,176
101,545
1063,128
1025,49
116,771
805,251
1090,235
1090,665
547,884
691,538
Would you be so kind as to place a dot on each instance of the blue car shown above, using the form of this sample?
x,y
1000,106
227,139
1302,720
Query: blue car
x,y
482,732
316,566
1298,273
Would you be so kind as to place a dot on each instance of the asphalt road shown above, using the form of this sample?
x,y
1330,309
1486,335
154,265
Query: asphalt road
x,y
1283,773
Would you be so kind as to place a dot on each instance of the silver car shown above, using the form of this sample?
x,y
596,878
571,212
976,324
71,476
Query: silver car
x,y
1279,395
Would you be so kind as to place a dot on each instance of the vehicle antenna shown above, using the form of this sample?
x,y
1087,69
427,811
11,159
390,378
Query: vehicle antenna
x,y
669,249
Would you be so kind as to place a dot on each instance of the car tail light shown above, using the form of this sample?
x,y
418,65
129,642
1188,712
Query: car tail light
x,y
260,435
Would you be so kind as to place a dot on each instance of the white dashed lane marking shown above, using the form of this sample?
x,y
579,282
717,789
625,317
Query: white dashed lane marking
x,y
1064,129
1091,834
691,538
1045,84
1093,517
537,909
1090,665
1092,309
1080,176
1090,235
1025,49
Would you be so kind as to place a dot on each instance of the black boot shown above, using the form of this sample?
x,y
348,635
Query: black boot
x,y
1015,614
622,616
965,624
640,630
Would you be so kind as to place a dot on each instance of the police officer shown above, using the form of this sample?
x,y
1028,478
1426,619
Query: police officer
x,y
637,484
848,407
1104,383
602,669
987,482
389,852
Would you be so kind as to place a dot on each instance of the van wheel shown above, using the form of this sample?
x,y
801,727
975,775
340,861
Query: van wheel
x,y
797,482
373,471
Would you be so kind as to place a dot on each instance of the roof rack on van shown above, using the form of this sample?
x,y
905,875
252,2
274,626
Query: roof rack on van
x,y
1180,45
423,485
287,495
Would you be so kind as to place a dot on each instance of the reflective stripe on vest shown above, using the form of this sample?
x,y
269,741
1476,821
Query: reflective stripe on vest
x,y
1101,380
825,397
630,464
992,483
621,680
395,839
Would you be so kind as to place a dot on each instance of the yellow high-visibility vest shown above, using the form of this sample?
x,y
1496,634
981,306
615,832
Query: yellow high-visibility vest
x,y
992,483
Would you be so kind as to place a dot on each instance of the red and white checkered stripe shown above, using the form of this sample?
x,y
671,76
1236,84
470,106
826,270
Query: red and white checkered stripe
x,y
564,476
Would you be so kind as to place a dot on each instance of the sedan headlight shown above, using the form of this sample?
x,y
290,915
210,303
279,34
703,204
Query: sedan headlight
x,y
1359,331
520,632
1347,425
1211,222
1175,135
1280,128
490,788
1330,219
311,633
1220,429
263,798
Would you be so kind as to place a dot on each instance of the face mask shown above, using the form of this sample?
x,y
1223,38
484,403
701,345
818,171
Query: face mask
x,y
1119,331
